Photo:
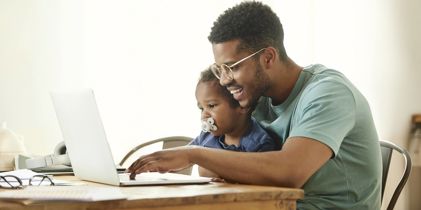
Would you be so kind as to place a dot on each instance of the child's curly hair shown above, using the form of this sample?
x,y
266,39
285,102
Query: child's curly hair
x,y
208,76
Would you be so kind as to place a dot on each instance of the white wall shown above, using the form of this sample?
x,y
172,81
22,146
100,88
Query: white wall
x,y
29,66
143,59
376,44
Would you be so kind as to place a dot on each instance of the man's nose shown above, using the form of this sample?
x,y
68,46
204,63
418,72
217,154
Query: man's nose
x,y
225,80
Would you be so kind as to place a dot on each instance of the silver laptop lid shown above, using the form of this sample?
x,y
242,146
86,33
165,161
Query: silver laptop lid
x,y
84,136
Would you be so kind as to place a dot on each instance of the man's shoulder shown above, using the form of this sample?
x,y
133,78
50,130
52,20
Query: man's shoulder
x,y
326,81
319,69
320,74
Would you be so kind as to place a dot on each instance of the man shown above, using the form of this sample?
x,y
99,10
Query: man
x,y
330,145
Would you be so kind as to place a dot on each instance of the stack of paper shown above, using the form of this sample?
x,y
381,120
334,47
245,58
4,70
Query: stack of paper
x,y
25,174
22,173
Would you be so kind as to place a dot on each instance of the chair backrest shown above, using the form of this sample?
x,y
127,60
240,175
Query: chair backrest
x,y
167,142
387,148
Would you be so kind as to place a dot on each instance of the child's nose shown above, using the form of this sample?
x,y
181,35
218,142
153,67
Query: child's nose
x,y
205,114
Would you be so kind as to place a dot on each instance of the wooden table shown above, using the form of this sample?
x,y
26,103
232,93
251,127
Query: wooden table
x,y
220,196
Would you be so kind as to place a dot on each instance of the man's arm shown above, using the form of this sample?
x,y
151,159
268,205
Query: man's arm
x,y
207,173
292,166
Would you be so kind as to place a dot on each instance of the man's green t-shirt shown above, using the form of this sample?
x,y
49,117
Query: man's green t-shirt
x,y
326,107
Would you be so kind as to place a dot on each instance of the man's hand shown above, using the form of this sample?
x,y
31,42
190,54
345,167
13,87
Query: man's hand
x,y
163,161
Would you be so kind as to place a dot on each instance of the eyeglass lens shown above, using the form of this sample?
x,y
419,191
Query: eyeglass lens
x,y
11,182
219,70
40,180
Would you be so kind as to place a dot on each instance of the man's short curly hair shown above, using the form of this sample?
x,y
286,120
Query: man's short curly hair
x,y
208,76
254,24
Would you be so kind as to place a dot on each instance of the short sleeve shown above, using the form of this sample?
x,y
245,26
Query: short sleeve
x,y
326,112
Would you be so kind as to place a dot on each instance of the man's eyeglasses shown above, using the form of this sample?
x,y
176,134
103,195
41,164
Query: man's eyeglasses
x,y
14,182
227,70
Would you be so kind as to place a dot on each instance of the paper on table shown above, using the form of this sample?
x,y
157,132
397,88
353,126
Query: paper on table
x,y
22,173
25,174
32,194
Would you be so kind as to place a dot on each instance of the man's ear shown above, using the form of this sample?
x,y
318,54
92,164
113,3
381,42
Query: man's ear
x,y
244,110
269,56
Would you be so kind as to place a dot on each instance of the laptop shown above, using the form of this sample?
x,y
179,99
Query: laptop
x,y
88,148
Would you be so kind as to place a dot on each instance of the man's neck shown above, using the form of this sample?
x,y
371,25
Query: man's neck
x,y
283,81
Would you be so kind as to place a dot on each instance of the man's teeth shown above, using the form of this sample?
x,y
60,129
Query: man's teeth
x,y
235,91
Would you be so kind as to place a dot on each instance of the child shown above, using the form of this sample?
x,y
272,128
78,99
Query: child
x,y
226,125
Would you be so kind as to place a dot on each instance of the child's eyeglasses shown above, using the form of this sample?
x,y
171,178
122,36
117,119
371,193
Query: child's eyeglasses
x,y
14,182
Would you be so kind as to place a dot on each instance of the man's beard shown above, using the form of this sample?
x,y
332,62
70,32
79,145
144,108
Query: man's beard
x,y
261,86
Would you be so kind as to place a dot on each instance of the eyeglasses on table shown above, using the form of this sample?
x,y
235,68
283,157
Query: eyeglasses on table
x,y
14,182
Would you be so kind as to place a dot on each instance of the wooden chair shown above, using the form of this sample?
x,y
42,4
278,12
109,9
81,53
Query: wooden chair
x,y
167,142
387,148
